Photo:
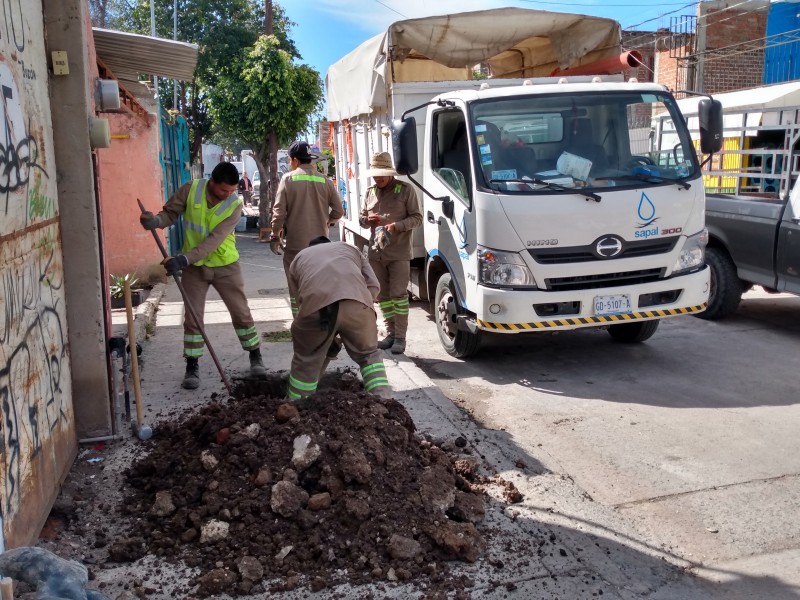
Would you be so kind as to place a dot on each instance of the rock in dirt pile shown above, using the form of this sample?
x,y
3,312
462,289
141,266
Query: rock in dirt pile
x,y
332,489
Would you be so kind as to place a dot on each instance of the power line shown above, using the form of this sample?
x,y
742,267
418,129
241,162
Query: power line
x,y
391,9
665,14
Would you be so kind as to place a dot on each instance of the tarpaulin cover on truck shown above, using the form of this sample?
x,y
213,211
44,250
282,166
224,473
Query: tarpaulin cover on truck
x,y
514,42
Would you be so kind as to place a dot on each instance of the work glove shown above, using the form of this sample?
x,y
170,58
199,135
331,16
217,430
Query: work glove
x,y
382,238
175,264
275,245
148,220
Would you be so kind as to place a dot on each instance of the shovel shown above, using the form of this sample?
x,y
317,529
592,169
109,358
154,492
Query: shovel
x,y
143,432
190,309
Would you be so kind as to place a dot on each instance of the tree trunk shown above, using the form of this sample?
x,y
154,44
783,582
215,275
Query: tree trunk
x,y
268,17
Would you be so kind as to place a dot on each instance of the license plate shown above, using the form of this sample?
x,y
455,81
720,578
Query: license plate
x,y
612,305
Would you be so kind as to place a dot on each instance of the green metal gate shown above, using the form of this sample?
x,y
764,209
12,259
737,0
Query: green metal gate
x,y
175,166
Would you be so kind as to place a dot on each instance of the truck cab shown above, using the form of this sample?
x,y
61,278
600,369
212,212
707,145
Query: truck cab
x,y
546,207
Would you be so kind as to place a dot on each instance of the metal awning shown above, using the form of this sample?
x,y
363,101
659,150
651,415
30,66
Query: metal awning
x,y
129,54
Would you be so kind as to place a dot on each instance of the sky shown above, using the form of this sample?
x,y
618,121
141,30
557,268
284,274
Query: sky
x,y
326,30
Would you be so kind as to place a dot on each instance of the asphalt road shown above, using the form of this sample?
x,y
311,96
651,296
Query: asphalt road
x,y
685,446
690,439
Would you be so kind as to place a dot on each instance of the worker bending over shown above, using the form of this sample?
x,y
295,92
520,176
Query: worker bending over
x,y
336,289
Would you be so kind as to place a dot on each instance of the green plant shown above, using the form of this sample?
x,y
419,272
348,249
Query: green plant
x,y
117,287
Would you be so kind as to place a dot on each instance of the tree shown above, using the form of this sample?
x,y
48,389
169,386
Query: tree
x,y
222,29
263,94
108,14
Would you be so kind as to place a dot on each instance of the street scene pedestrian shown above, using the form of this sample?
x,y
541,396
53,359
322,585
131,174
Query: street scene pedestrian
x,y
246,189
391,211
306,205
336,289
210,209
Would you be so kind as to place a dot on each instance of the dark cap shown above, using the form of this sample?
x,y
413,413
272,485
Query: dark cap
x,y
299,150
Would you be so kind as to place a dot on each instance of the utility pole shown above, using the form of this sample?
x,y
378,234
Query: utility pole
x,y
175,37
153,33
272,139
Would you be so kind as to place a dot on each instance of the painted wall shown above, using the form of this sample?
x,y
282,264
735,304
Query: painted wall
x,y
128,170
38,429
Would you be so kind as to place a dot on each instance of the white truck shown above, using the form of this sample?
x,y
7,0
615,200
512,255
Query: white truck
x,y
544,205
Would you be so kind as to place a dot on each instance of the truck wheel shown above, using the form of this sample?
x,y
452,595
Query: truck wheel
x,y
460,344
726,288
633,333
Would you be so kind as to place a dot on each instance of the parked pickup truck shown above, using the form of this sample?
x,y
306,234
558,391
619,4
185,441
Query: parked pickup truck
x,y
752,193
752,241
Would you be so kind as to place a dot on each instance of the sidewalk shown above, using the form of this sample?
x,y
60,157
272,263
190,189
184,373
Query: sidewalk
x,y
550,545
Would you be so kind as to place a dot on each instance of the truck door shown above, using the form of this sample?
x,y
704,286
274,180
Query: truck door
x,y
449,174
788,259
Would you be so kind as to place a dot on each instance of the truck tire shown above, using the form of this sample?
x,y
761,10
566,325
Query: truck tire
x,y
633,333
726,288
460,344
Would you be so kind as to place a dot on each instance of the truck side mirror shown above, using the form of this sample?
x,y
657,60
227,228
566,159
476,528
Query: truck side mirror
x,y
709,113
404,146
448,207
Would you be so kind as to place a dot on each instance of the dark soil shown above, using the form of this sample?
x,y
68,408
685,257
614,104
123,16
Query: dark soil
x,y
261,495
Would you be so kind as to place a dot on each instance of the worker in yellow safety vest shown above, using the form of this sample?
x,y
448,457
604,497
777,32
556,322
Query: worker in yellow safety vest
x,y
211,210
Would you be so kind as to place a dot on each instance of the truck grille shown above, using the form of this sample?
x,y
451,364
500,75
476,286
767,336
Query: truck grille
x,y
554,256
583,282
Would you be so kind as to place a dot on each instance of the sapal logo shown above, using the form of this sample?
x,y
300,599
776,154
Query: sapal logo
x,y
646,212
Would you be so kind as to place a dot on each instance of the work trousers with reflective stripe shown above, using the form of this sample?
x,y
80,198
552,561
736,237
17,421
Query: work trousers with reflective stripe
x,y
288,257
393,276
229,283
355,325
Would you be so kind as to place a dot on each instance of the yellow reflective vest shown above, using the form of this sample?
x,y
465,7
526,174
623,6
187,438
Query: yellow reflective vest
x,y
199,221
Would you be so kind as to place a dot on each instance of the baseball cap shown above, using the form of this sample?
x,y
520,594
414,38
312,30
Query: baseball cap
x,y
299,150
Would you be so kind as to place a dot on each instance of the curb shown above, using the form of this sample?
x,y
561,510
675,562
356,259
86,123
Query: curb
x,y
145,316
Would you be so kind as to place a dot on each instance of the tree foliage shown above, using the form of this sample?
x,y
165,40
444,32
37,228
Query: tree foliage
x,y
261,93
222,29
264,90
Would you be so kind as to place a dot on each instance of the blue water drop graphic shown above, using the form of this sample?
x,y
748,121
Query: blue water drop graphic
x,y
647,210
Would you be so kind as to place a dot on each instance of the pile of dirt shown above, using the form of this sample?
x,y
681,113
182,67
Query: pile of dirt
x,y
337,488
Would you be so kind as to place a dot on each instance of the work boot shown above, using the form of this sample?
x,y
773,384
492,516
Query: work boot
x,y
191,380
399,346
386,342
257,368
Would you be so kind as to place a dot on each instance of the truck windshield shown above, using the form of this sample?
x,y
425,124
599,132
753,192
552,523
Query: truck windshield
x,y
580,140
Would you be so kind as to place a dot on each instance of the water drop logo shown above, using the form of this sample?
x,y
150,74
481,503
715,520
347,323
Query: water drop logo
x,y
462,234
646,211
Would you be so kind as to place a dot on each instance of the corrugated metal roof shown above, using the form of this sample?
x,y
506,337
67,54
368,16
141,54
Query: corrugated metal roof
x,y
129,54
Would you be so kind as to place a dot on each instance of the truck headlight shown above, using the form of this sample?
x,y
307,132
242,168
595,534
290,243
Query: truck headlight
x,y
693,253
503,269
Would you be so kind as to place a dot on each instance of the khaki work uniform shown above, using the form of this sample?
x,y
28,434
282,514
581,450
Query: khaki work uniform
x,y
304,205
395,203
336,289
227,279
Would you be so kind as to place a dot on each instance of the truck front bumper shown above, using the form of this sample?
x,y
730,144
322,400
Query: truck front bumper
x,y
514,311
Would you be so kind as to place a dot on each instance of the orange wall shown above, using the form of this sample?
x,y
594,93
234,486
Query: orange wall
x,y
128,170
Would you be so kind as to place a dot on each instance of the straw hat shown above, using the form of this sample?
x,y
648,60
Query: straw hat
x,y
380,165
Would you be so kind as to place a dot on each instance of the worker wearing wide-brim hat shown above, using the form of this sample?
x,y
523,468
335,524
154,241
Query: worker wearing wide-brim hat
x,y
390,207
306,205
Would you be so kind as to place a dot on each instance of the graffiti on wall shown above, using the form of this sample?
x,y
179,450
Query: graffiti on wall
x,y
35,393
